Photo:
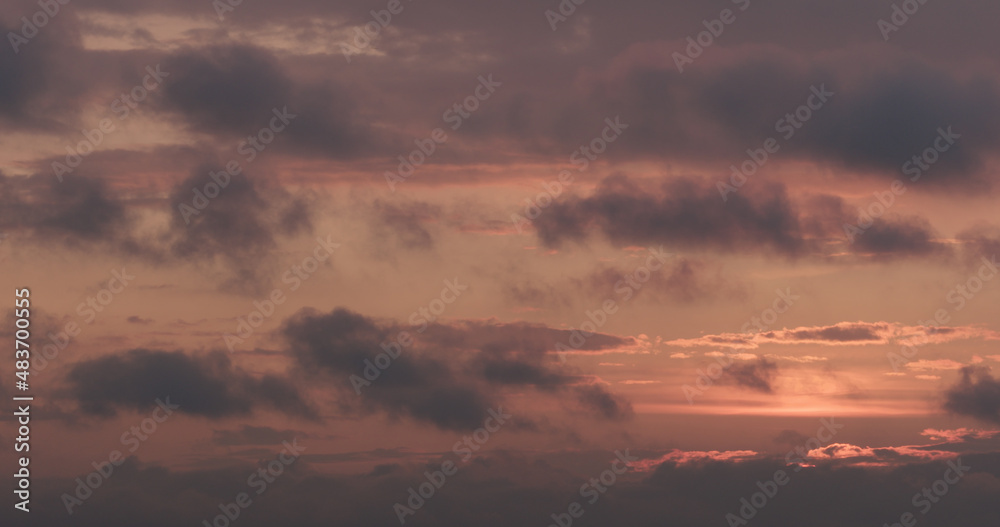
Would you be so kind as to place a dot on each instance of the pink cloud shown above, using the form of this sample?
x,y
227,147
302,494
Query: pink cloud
x,y
842,334
682,457
940,364
958,435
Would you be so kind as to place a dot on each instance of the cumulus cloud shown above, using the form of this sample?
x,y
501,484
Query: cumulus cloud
x,y
232,91
976,394
692,215
233,235
757,376
75,212
453,373
686,214
207,385
241,226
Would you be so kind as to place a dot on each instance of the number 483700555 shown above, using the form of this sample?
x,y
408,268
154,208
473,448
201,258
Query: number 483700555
x,y
22,335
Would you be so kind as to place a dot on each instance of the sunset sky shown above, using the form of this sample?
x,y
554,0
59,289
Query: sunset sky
x,y
560,263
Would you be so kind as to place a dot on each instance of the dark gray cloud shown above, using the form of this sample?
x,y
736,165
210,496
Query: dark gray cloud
x,y
75,212
229,90
757,375
37,92
887,107
838,333
877,495
242,225
232,91
423,388
894,115
686,214
206,385
558,86
606,404
976,394
517,372
691,215
891,237
451,376
696,494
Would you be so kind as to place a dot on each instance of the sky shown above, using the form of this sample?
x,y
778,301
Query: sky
x,y
441,263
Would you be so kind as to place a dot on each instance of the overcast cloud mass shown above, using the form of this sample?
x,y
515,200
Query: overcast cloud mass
x,y
440,263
